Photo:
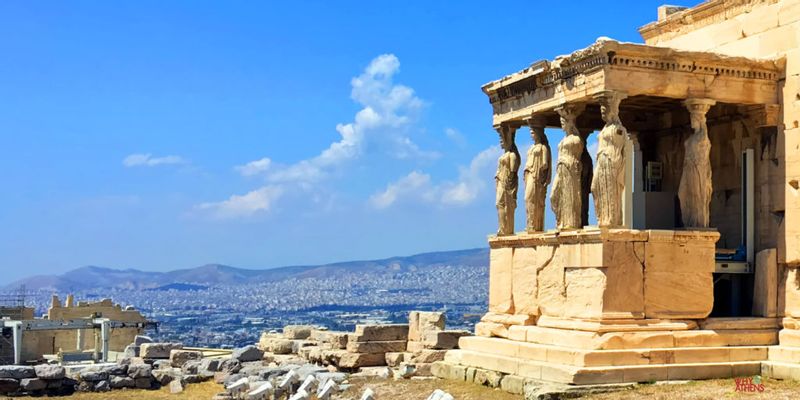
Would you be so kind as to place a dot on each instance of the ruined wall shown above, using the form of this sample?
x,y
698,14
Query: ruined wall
x,y
37,343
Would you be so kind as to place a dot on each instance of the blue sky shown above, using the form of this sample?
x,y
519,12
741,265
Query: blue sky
x,y
160,135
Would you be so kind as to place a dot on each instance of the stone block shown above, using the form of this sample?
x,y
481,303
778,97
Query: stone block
x,y
246,354
413,347
158,350
698,338
500,280
421,322
93,375
50,371
140,371
443,340
791,290
120,382
674,295
788,12
338,340
8,385
551,288
296,332
487,378
377,347
585,288
448,371
428,356
179,357
491,329
513,384
624,292
789,337
517,333
523,277
488,361
394,359
17,372
379,333
673,256
635,340
143,383
357,360
509,319
759,19
32,384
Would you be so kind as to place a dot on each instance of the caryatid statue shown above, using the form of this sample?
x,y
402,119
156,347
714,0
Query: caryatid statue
x,y
537,175
695,188
507,181
565,198
608,183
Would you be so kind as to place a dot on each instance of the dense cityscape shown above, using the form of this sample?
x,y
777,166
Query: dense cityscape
x,y
236,315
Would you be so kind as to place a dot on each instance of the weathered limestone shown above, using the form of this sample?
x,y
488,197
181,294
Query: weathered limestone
x,y
537,175
566,193
179,357
696,187
608,182
507,181
524,271
500,278
422,322
377,333
765,288
158,350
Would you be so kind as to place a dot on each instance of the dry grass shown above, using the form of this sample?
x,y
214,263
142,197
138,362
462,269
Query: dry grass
x,y
414,389
716,389
205,390
719,389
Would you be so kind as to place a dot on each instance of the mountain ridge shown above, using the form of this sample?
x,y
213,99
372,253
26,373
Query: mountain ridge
x,y
88,277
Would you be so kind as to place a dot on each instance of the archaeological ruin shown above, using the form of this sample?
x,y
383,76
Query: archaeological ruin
x,y
691,269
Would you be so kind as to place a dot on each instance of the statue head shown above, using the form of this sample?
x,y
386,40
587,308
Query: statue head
x,y
537,134
506,139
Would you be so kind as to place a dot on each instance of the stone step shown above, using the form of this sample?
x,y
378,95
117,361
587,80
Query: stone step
x,y
643,340
784,354
780,370
740,323
601,375
627,357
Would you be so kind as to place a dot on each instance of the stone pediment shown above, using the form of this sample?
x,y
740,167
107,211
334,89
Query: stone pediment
x,y
637,70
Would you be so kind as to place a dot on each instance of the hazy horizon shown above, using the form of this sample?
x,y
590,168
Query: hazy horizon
x,y
170,135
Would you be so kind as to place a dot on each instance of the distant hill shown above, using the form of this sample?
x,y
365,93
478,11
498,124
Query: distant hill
x,y
215,274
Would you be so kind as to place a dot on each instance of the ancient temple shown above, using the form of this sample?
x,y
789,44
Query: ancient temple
x,y
691,268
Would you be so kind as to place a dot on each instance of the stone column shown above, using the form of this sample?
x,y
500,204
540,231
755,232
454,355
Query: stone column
x,y
695,188
507,180
565,198
538,167
608,183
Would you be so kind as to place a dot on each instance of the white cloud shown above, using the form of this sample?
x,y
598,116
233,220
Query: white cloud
x,y
254,167
415,184
388,109
244,205
147,160
455,136
387,113
472,181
